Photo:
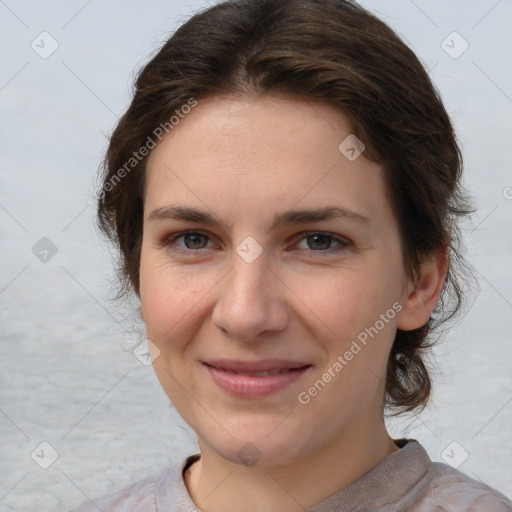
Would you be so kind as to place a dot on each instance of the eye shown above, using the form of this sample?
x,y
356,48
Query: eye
x,y
196,240
193,241
321,243
318,243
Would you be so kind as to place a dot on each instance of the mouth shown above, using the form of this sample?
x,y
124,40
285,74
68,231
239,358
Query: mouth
x,y
266,373
274,371
261,368
251,380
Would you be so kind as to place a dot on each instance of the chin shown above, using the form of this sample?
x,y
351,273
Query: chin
x,y
260,447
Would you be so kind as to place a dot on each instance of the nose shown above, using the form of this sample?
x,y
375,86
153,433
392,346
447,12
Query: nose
x,y
251,302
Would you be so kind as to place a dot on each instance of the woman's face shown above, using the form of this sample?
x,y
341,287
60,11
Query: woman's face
x,y
293,260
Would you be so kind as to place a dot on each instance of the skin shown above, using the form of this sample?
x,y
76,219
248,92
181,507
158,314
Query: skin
x,y
245,159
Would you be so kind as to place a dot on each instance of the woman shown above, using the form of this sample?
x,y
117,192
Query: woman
x,y
284,190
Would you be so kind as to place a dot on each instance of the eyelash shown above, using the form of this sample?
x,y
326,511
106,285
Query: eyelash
x,y
343,243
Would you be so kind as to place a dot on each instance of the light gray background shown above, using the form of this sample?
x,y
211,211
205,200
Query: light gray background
x,y
67,377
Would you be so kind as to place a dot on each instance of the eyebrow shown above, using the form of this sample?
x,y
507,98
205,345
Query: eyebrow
x,y
289,217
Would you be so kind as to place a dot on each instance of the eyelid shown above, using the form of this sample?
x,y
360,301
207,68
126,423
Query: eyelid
x,y
334,236
168,240
343,242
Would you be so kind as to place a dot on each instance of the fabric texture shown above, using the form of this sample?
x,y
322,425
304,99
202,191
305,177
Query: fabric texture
x,y
405,481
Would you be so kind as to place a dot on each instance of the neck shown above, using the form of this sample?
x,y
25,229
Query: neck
x,y
215,484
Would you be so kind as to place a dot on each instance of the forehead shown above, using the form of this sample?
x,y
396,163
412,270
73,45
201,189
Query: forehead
x,y
263,151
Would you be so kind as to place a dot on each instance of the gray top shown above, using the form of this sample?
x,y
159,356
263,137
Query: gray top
x,y
406,480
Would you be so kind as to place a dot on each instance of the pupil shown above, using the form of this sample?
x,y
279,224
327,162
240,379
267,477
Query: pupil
x,y
318,245
196,240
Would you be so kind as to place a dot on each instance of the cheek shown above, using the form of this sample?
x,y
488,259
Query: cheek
x,y
358,311
345,302
173,300
357,323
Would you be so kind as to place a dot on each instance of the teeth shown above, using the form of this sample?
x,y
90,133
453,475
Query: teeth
x,y
259,374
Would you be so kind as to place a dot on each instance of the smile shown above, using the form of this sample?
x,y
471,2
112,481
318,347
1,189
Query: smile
x,y
275,371
246,384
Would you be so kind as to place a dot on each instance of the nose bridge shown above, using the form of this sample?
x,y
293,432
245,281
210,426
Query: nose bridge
x,y
249,301
248,278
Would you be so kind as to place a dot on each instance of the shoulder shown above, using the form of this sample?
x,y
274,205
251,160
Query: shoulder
x,y
134,497
453,491
158,493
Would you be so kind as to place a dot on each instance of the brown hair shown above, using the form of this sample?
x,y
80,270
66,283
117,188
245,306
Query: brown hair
x,y
334,52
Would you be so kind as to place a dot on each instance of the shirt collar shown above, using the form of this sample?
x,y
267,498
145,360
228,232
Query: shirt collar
x,y
396,475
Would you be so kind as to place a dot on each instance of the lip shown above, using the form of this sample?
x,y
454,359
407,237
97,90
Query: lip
x,y
264,365
248,386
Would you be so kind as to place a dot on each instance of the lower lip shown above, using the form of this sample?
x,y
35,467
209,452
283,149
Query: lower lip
x,y
247,386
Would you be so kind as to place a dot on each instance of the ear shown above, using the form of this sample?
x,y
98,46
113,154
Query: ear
x,y
421,296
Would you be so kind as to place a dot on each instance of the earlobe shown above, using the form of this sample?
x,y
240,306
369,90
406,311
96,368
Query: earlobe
x,y
421,298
